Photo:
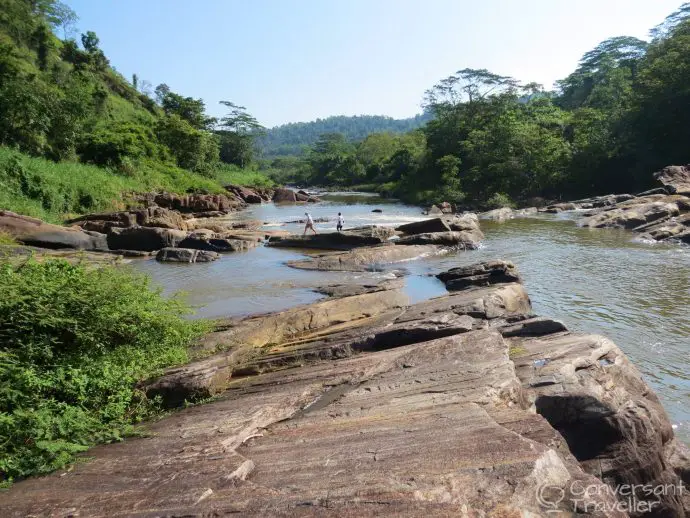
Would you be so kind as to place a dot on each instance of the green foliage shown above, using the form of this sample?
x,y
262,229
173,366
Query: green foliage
x,y
499,200
74,343
227,174
295,138
622,114
49,190
64,103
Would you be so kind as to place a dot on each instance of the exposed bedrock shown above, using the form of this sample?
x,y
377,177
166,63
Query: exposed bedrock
x,y
363,405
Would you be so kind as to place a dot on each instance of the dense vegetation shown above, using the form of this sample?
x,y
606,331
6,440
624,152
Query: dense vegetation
x,y
295,138
622,114
62,101
73,343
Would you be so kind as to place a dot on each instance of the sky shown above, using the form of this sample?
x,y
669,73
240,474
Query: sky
x,y
298,60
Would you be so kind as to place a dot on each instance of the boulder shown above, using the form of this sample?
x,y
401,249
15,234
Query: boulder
x,y
434,211
284,196
499,215
676,179
467,221
198,241
634,213
246,194
185,255
424,226
144,238
480,274
205,204
349,290
364,259
346,240
378,211
34,232
147,217
671,229
560,207
465,239
446,208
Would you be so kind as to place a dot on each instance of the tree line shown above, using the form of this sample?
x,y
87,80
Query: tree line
x,y
295,138
623,113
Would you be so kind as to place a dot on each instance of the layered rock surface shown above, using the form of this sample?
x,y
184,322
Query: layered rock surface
x,y
463,405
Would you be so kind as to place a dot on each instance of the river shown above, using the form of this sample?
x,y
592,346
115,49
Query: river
x,y
597,281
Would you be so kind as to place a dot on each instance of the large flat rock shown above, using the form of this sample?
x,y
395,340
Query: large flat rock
x,y
462,405
365,259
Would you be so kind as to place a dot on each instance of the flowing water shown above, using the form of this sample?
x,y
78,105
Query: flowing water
x,y
598,281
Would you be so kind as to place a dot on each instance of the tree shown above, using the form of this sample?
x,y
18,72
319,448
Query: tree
x,y
237,131
161,91
467,85
135,81
189,109
90,41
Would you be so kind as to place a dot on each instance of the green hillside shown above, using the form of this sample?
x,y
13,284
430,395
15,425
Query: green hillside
x,y
62,105
292,139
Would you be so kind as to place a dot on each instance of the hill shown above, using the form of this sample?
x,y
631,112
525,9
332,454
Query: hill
x,y
61,100
293,138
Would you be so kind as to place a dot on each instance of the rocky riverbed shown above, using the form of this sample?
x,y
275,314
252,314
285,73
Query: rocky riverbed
x,y
362,402
466,404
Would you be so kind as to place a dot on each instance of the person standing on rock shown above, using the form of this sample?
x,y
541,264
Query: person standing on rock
x,y
309,224
341,222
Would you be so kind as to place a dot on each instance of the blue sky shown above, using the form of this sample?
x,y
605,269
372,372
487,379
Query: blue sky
x,y
296,60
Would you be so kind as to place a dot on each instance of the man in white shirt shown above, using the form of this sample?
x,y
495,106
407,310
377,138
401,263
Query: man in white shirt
x,y
341,222
309,224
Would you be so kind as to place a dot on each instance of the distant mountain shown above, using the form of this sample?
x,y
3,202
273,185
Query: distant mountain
x,y
292,138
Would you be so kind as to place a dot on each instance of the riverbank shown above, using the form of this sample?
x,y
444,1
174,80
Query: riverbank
x,y
364,401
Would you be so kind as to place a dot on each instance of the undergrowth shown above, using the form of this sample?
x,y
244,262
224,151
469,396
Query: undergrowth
x,y
74,341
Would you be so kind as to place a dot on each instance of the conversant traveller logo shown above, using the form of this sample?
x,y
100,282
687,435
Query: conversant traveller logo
x,y
578,496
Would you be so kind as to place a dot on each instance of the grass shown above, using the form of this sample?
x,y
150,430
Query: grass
x,y
52,191
231,174
74,342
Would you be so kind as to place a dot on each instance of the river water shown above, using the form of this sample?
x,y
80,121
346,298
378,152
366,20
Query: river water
x,y
597,281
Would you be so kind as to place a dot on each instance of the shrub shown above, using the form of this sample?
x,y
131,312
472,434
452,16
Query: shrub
x,y
74,341
499,200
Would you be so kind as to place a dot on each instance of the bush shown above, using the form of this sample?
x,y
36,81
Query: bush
x,y
499,200
73,343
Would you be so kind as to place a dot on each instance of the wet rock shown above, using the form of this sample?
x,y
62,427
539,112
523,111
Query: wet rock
x,y
537,326
504,214
34,232
480,274
185,255
613,423
346,240
302,221
468,221
499,215
674,228
202,204
379,211
144,238
212,243
657,190
635,212
469,240
424,227
675,178
349,290
364,259
560,207
147,217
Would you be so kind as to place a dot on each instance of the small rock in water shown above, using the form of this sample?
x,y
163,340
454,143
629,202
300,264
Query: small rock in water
x,y
377,210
